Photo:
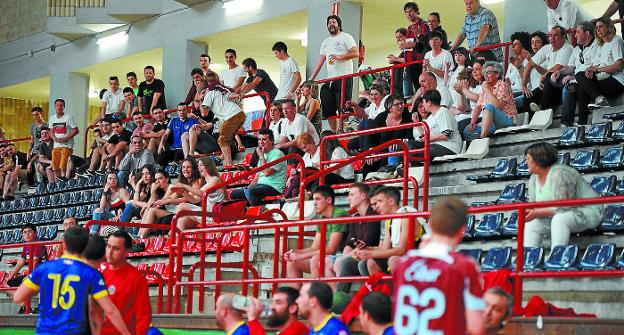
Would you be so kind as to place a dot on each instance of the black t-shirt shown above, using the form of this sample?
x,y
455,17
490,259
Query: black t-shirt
x,y
123,137
146,91
380,121
265,85
46,149
20,158
367,232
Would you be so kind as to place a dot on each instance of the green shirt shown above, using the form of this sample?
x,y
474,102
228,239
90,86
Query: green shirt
x,y
333,228
277,180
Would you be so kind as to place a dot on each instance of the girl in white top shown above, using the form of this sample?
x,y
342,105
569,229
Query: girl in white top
x,y
438,60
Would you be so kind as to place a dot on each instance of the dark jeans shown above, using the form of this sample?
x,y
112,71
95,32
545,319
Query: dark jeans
x,y
589,89
568,101
551,94
168,156
254,194
206,143
435,150
331,94
412,73
330,179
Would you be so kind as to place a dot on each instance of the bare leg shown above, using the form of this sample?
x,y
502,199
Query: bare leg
x,y
185,222
296,269
192,141
96,159
153,145
486,121
227,155
185,144
372,267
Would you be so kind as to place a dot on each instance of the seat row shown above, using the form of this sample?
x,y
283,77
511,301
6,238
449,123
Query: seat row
x,y
79,183
562,258
597,133
44,233
80,212
53,201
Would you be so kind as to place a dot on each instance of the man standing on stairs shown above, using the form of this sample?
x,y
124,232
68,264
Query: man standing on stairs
x,y
126,285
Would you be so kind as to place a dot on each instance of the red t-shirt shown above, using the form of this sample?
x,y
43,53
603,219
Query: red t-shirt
x,y
433,289
128,290
296,328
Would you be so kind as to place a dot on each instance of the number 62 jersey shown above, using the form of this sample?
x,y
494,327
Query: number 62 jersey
x,y
433,289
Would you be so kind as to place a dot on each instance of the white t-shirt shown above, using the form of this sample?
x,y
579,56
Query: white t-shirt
x,y
565,15
372,110
312,161
300,125
288,68
112,101
278,128
590,56
609,53
61,127
346,171
441,121
222,107
515,77
446,101
546,57
443,60
338,45
230,76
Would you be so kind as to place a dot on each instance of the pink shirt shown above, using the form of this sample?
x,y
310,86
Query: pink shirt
x,y
502,91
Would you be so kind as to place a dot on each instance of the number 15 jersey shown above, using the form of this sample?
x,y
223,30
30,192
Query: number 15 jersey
x,y
433,289
64,287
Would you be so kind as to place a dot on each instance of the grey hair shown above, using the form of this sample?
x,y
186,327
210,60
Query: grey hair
x,y
500,292
497,68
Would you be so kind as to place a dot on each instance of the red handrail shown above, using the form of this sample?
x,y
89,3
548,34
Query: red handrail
x,y
13,140
504,45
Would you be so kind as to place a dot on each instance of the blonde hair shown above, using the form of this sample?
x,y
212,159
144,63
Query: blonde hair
x,y
610,30
314,91
304,139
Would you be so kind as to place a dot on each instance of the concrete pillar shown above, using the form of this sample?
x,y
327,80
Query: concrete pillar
x,y
74,89
179,58
351,16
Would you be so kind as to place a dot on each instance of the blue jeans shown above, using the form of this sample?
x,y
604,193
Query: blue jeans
x,y
127,215
499,120
97,215
254,194
408,88
122,177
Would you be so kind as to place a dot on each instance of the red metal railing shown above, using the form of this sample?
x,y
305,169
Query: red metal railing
x,y
504,45
13,140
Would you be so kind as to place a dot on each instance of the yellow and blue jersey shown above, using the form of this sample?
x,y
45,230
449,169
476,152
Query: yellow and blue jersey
x,y
65,286
330,326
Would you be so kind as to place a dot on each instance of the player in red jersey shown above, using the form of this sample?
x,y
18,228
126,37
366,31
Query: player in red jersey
x,y
437,290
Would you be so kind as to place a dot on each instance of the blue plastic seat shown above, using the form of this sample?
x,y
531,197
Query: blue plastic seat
x,y
604,185
91,182
90,210
7,220
563,258
523,168
97,195
470,223
599,133
474,253
44,200
4,206
75,198
70,212
533,258
613,219
100,180
41,231
17,204
512,193
490,225
37,217
55,200
71,184
81,182
563,158
86,196
572,137
64,199
505,169
497,258
60,186
17,219
599,257
81,213
51,233
27,217
17,235
511,227
33,202
621,260
48,216
59,214
612,159
11,206
50,187
586,160
42,188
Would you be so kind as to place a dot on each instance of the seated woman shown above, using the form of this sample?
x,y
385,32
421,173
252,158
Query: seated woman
x,y
166,205
552,181
113,201
208,171
495,106
142,193
158,190
605,78
443,135
310,107
376,96
335,151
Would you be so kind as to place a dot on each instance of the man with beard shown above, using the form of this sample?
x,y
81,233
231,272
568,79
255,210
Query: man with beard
x,y
228,318
283,314
314,302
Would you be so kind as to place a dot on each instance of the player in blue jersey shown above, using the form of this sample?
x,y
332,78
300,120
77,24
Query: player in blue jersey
x,y
376,314
314,302
229,318
64,287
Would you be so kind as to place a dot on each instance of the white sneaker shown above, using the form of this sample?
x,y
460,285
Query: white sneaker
x,y
602,75
601,102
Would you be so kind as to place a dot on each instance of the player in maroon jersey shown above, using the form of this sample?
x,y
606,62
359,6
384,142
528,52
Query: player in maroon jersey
x,y
437,290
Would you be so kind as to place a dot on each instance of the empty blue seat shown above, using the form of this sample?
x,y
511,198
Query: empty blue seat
x,y
41,188
91,181
17,204
17,219
71,184
4,206
562,258
613,219
490,225
572,137
97,195
599,257
51,232
612,159
60,186
48,215
470,223
17,235
81,182
90,210
33,202
100,180
50,187
11,206
474,253
55,200
41,231
511,227
64,200
586,160
81,213
563,158
599,133
533,258
523,168
37,217
505,169
44,200
75,198
604,185
59,214
86,196
7,219
27,217
512,194
70,212
621,260
497,259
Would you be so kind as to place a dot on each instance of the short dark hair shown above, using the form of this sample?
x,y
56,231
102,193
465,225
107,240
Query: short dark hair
x,y
338,20
123,234
411,5
390,100
388,191
37,109
322,292
128,89
448,216
163,172
436,14
29,226
60,100
543,154
131,74
118,121
181,104
562,31
280,46
102,91
269,132
250,62
587,26
362,187
542,36
197,71
403,31
325,191
378,88
231,51
46,128
524,38
435,33
96,248
113,78
205,55
292,294
376,304
290,102
76,239
149,67
432,96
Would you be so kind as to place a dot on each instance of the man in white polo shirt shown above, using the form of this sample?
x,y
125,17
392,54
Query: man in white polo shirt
x,y
296,125
290,77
